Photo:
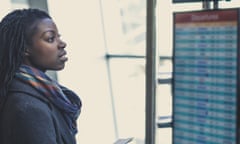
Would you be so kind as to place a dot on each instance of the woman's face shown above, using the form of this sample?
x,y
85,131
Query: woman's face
x,y
47,50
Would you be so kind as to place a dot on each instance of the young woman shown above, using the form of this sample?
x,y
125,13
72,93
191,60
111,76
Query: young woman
x,y
34,109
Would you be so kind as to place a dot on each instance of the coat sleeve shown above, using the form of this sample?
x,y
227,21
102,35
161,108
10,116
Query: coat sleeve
x,y
28,120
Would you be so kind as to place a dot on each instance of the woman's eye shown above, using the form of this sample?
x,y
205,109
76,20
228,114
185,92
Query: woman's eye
x,y
51,39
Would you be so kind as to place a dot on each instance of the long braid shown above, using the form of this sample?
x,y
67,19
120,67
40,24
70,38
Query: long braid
x,y
10,30
16,30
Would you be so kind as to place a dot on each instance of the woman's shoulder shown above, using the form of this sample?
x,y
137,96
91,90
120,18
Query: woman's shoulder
x,y
23,104
23,97
20,90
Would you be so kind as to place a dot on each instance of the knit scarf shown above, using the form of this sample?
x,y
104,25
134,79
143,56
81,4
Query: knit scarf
x,y
63,98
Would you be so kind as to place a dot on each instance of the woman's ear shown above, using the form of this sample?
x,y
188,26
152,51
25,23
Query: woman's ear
x,y
26,52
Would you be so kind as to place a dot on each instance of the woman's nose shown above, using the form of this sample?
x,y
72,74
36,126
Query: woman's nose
x,y
62,44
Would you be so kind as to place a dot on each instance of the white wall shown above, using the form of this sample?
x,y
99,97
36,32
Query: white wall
x,y
79,22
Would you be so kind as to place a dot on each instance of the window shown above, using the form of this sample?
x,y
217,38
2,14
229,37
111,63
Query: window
x,y
125,34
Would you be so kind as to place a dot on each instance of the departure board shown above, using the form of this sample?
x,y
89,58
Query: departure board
x,y
205,77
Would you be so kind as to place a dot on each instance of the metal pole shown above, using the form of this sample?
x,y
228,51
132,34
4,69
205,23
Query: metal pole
x,y
206,4
150,116
215,4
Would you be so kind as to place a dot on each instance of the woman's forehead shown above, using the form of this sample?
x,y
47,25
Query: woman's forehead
x,y
46,25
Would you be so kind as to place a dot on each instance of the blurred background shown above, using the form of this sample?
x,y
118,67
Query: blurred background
x,y
106,45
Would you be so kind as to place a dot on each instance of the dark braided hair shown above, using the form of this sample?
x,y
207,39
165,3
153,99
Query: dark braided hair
x,y
16,31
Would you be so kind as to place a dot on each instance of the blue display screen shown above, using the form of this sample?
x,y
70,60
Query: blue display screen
x,y
205,77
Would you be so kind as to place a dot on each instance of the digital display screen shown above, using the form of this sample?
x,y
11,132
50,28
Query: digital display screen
x,y
205,77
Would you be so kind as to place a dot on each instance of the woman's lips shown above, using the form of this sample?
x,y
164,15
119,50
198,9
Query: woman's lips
x,y
63,56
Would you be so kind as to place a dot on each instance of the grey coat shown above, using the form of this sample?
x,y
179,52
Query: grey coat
x,y
29,118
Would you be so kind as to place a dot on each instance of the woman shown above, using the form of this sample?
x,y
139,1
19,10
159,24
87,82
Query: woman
x,y
34,109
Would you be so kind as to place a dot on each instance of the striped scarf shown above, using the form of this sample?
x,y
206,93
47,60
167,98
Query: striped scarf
x,y
64,99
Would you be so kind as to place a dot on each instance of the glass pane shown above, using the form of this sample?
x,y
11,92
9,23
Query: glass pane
x,y
164,40
19,4
164,25
163,94
164,136
229,4
164,101
125,26
165,68
128,83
